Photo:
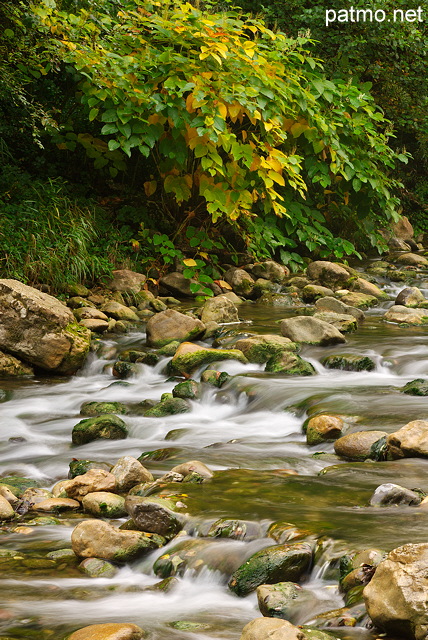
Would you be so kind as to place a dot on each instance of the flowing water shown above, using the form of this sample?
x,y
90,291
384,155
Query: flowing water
x,y
250,434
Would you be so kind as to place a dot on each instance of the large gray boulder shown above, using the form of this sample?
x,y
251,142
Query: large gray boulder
x,y
178,285
410,297
270,270
327,273
337,306
240,281
396,596
126,280
170,325
41,330
311,331
406,315
219,309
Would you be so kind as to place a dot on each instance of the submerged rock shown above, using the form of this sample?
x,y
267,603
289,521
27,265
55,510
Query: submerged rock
x,y
215,378
109,631
40,329
287,562
104,427
168,407
154,515
92,409
396,595
348,362
171,325
311,331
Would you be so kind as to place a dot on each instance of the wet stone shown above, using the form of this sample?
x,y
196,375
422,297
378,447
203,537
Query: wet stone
x,y
92,409
188,390
79,467
105,427
129,472
357,445
418,387
97,568
392,494
109,631
103,503
154,515
274,600
348,362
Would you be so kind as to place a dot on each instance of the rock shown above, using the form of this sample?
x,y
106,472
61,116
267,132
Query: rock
x,y
172,325
56,505
396,595
126,280
412,259
76,289
199,554
215,378
6,509
89,313
274,599
7,494
17,484
79,467
357,445
327,273
39,329
77,302
235,529
188,390
259,348
312,292
118,311
109,631
311,331
128,472
98,539
348,362
240,281
270,270
169,349
168,407
409,441
105,504
11,367
358,300
177,284
364,286
418,387
338,306
390,494
405,315
190,356
290,364
409,297
97,568
280,563
193,466
219,309
124,370
342,321
157,305
104,427
323,427
93,409
270,629
97,326
154,515
91,481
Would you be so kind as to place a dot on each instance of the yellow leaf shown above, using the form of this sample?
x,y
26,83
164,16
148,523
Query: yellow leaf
x,y
223,110
288,123
244,135
216,57
251,28
223,284
207,75
346,198
189,262
150,187
202,56
268,126
257,115
274,164
204,255
276,177
189,103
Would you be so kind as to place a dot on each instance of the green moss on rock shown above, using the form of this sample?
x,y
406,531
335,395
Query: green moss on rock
x,y
105,427
348,362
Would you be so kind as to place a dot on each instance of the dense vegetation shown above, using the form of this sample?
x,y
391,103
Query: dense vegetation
x,y
136,133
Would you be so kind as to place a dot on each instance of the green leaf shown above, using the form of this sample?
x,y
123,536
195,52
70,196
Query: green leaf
x,y
109,116
109,129
113,144
93,114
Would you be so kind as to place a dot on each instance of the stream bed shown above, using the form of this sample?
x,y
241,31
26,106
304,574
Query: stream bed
x,y
249,433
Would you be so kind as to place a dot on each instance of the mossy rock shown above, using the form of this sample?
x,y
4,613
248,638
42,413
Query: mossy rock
x,y
168,407
290,364
187,390
259,349
92,409
280,563
106,427
234,529
79,467
104,504
97,568
215,378
159,455
80,339
348,362
275,601
125,370
169,349
5,395
418,387
18,484
190,357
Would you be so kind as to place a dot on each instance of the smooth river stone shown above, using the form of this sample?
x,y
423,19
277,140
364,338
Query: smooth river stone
x,y
109,631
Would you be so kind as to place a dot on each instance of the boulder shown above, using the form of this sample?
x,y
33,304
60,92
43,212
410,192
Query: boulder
x,y
154,515
105,504
323,427
311,331
327,273
392,494
396,595
187,390
270,629
95,325
270,270
364,286
104,427
286,562
215,378
357,299
240,281
168,406
93,409
262,347
290,364
409,441
193,466
118,311
357,445
89,313
409,297
128,472
412,259
92,480
348,362
405,315
41,330
219,309
126,280
109,631
79,467
338,306
274,600
418,387
56,505
342,321
6,509
190,356
172,325
177,284
98,539
11,367
97,568
312,292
